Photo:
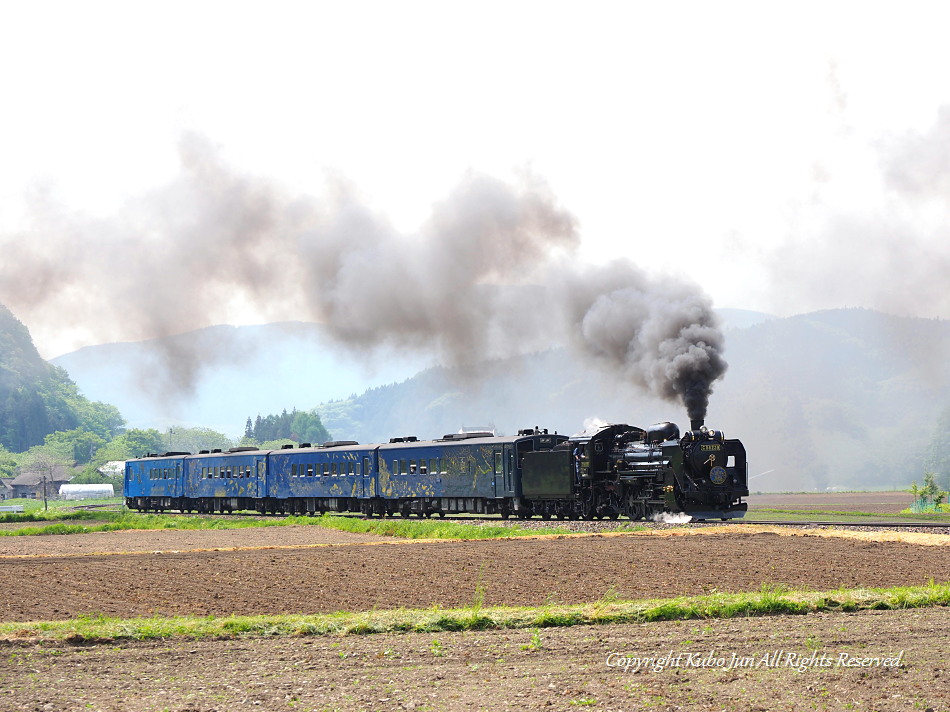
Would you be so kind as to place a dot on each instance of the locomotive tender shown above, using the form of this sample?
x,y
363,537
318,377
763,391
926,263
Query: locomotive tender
x,y
605,471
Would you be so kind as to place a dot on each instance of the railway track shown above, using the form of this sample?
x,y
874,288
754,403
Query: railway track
x,y
877,524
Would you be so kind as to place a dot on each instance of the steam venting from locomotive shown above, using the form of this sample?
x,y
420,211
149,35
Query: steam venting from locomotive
x,y
468,286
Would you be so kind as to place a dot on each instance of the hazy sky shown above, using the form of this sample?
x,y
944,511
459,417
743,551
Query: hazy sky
x,y
785,157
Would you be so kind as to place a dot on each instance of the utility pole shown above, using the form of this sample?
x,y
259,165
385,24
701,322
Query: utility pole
x,y
45,503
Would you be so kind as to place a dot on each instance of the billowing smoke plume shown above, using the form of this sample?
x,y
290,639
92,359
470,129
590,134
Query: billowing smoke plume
x,y
462,288
660,334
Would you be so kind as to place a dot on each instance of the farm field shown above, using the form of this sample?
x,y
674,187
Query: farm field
x,y
308,569
879,502
399,574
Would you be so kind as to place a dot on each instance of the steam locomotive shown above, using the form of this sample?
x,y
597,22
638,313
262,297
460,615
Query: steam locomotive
x,y
606,471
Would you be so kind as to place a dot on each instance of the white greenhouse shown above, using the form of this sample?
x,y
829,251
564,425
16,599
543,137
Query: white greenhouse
x,y
86,491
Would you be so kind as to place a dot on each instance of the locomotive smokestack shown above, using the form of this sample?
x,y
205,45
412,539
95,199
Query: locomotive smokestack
x,y
695,424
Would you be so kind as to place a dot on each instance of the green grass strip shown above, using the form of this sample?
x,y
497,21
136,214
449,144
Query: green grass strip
x,y
406,529
769,600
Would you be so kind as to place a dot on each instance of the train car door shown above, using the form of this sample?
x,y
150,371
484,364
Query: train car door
x,y
499,470
507,462
260,478
369,482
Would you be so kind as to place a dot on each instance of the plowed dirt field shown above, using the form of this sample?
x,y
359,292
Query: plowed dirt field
x,y
309,570
394,574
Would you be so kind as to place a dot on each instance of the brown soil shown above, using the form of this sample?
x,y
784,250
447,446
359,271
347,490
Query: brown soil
x,y
552,669
881,502
418,575
176,540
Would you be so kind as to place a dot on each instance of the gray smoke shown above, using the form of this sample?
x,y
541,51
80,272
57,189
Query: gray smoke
x,y
660,334
491,273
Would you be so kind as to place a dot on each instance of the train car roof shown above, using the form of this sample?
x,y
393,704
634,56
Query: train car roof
x,y
479,438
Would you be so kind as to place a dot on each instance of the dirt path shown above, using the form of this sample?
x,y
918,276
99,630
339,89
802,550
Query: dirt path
x,y
550,669
448,574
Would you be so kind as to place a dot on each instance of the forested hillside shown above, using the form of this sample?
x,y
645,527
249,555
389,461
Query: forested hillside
x,y
37,398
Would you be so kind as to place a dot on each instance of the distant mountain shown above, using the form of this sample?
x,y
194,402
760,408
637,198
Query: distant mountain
x,y
846,398
236,373
741,318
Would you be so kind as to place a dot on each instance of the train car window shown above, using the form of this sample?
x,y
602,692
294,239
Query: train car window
x,y
217,471
333,469
498,467
423,468
413,468
403,469
293,470
310,469
731,461
441,467
395,467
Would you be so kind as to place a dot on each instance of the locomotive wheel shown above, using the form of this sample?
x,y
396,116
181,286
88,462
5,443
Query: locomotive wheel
x,y
546,516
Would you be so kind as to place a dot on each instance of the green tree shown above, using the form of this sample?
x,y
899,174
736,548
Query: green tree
x,y
134,443
8,463
77,444
306,427
194,439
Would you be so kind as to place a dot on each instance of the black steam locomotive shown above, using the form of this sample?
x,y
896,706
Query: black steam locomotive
x,y
625,470
604,472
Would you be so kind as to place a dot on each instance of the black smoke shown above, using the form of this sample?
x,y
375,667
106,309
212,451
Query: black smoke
x,y
494,271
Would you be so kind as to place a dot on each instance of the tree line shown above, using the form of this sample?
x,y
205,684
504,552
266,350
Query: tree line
x,y
297,426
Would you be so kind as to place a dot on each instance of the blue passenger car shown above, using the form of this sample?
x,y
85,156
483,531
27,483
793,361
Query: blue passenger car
x,y
155,482
225,481
334,477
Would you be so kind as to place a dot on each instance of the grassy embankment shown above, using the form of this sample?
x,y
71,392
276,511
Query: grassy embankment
x,y
407,529
769,600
